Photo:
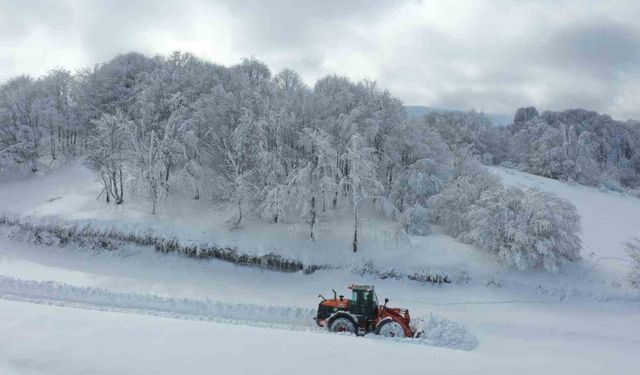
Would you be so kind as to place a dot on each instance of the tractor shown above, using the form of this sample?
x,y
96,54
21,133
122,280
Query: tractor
x,y
362,314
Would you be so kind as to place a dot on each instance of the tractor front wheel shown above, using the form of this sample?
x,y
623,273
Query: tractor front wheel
x,y
342,324
390,329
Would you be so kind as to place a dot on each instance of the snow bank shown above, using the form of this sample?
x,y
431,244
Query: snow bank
x,y
442,332
63,294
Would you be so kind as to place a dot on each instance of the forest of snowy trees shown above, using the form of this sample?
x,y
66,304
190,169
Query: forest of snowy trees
x,y
574,145
273,149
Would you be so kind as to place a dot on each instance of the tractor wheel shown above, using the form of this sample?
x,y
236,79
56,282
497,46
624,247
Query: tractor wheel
x,y
342,324
390,329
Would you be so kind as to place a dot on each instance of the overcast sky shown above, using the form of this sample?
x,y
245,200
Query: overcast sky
x,y
487,55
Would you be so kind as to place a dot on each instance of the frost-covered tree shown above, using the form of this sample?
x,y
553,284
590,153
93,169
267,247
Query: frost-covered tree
x,y
424,166
236,150
470,130
310,187
524,229
577,145
633,250
61,119
108,153
586,167
148,149
449,208
21,116
361,181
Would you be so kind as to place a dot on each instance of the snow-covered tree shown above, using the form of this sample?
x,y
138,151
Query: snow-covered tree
x,y
108,153
470,130
61,120
423,167
21,111
148,149
633,250
236,151
361,181
525,229
449,208
310,187
577,145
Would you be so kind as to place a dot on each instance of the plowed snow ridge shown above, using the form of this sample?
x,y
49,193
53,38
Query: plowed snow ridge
x,y
438,331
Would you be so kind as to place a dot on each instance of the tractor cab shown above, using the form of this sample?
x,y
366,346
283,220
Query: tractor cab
x,y
364,302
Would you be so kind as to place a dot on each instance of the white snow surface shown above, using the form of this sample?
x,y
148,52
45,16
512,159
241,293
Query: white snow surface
x,y
72,310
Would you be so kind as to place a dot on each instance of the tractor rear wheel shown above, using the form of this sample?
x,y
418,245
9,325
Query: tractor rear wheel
x,y
390,329
342,324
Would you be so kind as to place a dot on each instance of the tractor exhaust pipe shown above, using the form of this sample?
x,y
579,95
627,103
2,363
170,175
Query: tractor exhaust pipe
x,y
335,294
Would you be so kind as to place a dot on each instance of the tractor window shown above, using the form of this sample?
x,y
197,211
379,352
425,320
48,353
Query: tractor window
x,y
354,296
375,299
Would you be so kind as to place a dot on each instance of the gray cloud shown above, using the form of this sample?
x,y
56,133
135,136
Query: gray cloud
x,y
488,55
602,49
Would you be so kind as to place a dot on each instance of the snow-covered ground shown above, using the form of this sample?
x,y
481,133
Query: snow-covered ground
x,y
581,321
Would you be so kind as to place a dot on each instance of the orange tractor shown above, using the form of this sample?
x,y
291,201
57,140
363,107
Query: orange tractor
x,y
362,314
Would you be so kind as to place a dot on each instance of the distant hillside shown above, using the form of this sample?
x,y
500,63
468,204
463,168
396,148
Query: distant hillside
x,y
417,111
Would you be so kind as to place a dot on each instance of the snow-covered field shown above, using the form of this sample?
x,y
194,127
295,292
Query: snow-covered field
x,y
73,310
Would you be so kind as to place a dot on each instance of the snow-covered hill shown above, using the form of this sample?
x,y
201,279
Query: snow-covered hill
x,y
580,321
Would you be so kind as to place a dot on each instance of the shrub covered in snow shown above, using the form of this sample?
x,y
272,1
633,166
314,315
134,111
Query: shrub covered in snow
x,y
524,229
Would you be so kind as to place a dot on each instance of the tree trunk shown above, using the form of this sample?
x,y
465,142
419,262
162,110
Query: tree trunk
x,y
312,218
324,202
154,203
237,223
121,187
355,227
106,189
120,199
53,142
